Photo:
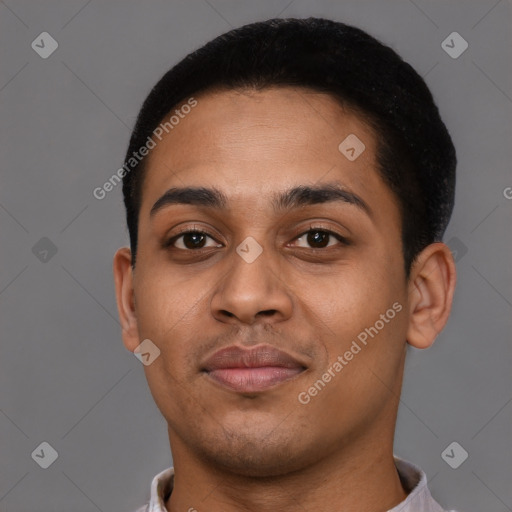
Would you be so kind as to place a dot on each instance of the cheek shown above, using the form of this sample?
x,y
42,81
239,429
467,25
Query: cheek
x,y
361,317
361,375
168,309
169,313
353,297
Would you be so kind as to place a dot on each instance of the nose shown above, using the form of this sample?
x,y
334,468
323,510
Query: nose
x,y
252,292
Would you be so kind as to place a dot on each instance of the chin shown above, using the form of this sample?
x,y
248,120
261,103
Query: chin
x,y
247,465
257,458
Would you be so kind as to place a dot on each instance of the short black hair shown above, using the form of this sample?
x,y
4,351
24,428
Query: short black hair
x,y
415,153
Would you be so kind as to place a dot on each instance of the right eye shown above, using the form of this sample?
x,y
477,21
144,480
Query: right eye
x,y
190,239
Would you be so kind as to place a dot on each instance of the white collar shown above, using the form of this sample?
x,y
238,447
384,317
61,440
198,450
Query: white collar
x,y
413,479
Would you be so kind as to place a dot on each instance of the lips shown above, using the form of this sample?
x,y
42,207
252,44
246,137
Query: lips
x,y
250,370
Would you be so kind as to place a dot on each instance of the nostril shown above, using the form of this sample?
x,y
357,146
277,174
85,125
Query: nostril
x,y
268,312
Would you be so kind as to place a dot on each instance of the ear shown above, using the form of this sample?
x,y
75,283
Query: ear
x,y
123,277
431,289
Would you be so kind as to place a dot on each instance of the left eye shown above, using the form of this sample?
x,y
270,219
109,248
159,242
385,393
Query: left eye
x,y
319,238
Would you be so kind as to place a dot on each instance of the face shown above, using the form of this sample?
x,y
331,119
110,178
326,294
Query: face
x,y
281,319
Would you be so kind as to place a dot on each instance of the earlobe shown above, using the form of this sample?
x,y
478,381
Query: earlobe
x,y
123,277
431,289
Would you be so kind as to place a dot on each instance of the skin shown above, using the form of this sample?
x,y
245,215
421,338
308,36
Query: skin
x,y
265,450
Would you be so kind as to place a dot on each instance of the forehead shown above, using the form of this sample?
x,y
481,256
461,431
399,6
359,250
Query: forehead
x,y
251,143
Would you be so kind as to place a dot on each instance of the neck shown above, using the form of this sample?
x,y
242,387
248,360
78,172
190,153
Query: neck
x,y
362,477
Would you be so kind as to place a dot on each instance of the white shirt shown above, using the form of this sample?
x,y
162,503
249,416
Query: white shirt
x,y
413,479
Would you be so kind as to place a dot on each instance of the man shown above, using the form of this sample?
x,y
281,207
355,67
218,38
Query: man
x,y
287,187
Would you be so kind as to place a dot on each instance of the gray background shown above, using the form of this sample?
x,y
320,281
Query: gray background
x,y
66,378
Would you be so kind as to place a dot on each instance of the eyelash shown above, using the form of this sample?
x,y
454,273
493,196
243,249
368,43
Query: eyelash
x,y
169,243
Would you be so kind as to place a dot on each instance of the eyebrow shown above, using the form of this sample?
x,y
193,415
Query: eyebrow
x,y
295,197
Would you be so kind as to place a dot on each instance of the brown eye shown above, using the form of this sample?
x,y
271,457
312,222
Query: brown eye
x,y
320,238
192,239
